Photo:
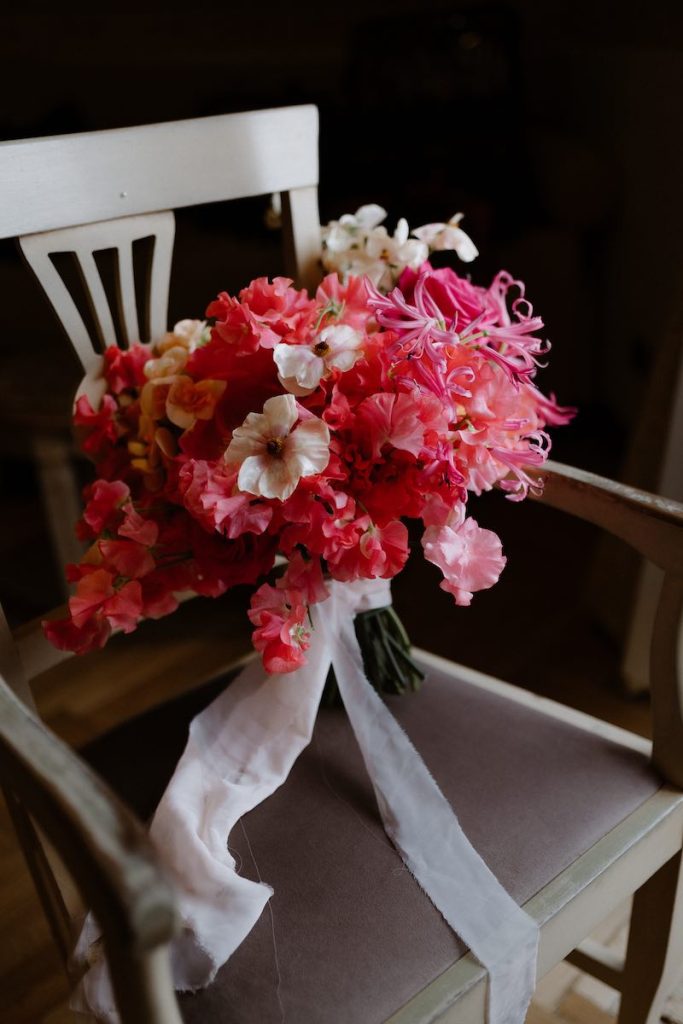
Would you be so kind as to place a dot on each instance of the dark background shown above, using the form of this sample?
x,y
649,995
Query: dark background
x,y
554,126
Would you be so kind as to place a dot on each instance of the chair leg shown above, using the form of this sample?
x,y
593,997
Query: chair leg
x,y
143,987
654,958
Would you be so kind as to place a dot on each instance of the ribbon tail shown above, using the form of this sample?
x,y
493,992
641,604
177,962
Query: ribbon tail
x,y
426,832
240,750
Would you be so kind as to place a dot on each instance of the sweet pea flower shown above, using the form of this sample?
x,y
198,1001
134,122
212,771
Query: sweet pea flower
x,y
281,634
448,236
469,557
273,454
339,235
301,367
398,251
358,244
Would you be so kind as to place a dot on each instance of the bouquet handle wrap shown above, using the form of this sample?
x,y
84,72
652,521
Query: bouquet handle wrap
x,y
241,749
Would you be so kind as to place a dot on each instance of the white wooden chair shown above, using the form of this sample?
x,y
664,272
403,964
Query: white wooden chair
x,y
103,191
573,815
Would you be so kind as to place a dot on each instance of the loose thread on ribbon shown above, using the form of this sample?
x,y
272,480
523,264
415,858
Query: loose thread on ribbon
x,y
278,973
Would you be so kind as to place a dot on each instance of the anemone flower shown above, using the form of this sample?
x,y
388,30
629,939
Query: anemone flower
x,y
273,454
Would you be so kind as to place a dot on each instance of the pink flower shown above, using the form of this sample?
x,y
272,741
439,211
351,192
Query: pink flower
x,y
277,304
345,303
96,596
280,633
400,420
272,454
211,495
470,558
304,577
380,552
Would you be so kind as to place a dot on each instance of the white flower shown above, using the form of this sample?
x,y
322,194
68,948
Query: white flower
x,y
398,252
301,367
358,244
273,453
448,236
192,332
349,231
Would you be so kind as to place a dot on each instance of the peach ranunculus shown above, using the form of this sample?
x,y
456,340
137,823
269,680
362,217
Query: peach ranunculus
x,y
273,453
180,399
173,350
188,401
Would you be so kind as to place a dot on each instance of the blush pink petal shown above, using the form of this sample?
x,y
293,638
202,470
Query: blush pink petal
x,y
470,558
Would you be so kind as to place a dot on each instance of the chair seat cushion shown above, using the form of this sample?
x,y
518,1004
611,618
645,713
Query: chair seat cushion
x,y
349,936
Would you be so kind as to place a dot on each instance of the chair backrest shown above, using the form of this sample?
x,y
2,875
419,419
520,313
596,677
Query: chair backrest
x,y
87,193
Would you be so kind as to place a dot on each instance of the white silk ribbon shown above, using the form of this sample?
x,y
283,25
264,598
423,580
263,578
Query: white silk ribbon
x,y
241,749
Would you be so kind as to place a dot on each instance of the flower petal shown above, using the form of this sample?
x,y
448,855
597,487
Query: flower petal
x,y
279,479
308,447
250,473
281,414
300,362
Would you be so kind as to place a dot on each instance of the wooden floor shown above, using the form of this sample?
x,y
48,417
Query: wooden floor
x,y
194,644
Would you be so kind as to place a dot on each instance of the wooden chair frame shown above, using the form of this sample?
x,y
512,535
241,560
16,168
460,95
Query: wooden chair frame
x,y
74,830
109,857
95,191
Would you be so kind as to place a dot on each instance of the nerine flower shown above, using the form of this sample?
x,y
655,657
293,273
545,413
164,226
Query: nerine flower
x,y
273,453
301,367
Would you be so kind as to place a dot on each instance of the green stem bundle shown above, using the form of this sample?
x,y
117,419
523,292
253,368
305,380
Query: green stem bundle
x,y
385,648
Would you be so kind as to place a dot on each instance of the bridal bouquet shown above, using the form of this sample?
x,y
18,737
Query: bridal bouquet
x,y
310,426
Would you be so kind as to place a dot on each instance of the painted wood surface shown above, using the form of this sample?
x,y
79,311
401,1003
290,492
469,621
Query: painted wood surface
x,y
62,180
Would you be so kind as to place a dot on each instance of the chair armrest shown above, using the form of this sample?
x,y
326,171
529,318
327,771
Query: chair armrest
x,y
650,524
104,847
654,527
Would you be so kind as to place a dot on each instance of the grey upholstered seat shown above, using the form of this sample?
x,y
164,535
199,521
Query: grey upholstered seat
x,y
355,936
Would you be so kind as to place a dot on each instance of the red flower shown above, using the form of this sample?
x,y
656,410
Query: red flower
x,y
280,635
104,500
136,527
125,368
380,552
210,494
67,636
127,557
99,427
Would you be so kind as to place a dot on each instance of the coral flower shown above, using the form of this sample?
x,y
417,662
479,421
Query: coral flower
x,y
274,454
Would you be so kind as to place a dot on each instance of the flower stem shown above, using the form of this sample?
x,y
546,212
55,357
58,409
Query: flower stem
x,y
385,648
